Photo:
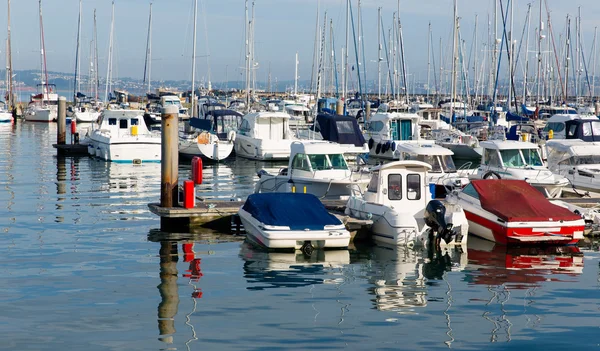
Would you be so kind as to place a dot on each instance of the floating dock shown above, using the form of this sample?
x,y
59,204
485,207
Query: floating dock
x,y
222,215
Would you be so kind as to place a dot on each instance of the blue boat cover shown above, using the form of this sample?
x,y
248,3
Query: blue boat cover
x,y
294,210
516,118
202,124
340,129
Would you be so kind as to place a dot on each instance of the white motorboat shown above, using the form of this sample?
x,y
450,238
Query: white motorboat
x,y
520,160
443,173
398,200
464,146
315,167
213,136
513,212
85,114
386,130
559,126
5,114
122,136
264,136
576,160
291,221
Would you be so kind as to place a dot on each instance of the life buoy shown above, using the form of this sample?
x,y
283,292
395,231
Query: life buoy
x,y
491,175
378,149
231,136
371,143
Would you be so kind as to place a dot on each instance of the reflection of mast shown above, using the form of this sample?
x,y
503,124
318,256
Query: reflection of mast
x,y
9,72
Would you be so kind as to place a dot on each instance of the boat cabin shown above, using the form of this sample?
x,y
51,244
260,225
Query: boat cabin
x,y
556,127
318,159
401,183
266,125
340,129
218,122
438,157
123,122
574,156
393,126
499,154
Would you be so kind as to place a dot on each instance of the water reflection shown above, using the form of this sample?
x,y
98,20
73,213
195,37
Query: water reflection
x,y
506,271
266,269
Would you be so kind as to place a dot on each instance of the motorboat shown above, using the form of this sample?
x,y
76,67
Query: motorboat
x,y
5,114
572,126
398,201
291,221
385,130
511,159
462,145
122,136
315,167
86,114
212,137
264,136
513,212
443,173
576,160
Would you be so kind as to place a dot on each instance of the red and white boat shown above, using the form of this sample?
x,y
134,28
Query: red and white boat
x,y
513,212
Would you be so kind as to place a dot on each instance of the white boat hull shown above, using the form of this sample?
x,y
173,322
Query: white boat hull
x,y
87,116
5,117
264,150
277,238
42,115
213,151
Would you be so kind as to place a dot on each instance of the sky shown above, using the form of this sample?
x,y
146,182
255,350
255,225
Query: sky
x,y
282,28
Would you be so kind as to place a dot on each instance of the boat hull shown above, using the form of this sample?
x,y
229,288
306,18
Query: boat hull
x,y
264,150
211,151
259,234
525,233
334,189
44,115
86,117
126,152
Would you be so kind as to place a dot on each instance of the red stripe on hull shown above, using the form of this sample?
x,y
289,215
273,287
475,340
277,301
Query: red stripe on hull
x,y
502,233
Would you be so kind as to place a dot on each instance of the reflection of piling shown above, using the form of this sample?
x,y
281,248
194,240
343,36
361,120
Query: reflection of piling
x,y
169,304
61,133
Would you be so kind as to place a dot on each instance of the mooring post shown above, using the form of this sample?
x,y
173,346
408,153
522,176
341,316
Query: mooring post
x,y
169,156
61,132
367,111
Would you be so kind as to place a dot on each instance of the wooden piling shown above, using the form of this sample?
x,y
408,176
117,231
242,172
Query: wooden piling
x,y
61,132
367,111
339,108
169,156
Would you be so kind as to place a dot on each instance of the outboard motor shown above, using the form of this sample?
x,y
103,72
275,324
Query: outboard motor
x,y
435,218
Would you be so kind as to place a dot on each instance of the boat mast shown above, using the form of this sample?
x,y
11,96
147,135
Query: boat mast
x,y
296,76
148,65
110,53
9,71
96,67
77,85
379,53
475,54
594,50
454,61
429,58
193,96
539,57
44,72
345,91
247,28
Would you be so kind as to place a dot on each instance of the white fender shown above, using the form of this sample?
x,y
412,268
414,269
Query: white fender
x,y
231,136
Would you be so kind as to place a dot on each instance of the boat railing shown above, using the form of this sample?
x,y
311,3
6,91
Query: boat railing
x,y
356,190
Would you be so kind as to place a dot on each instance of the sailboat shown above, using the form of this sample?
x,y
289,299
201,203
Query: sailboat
x,y
213,136
45,103
82,112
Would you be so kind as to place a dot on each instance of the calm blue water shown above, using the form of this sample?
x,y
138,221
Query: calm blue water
x,y
84,267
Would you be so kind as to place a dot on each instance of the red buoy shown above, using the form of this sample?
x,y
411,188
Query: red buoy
x,y
73,126
189,194
197,170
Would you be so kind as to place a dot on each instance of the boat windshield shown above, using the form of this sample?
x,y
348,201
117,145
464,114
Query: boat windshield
x,y
439,164
520,158
322,162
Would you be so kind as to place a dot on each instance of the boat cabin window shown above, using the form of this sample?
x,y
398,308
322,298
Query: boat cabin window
x,y
301,163
319,162
512,158
491,158
585,160
134,121
338,161
112,121
532,157
555,126
245,127
413,187
470,190
573,129
375,126
372,187
123,123
395,187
